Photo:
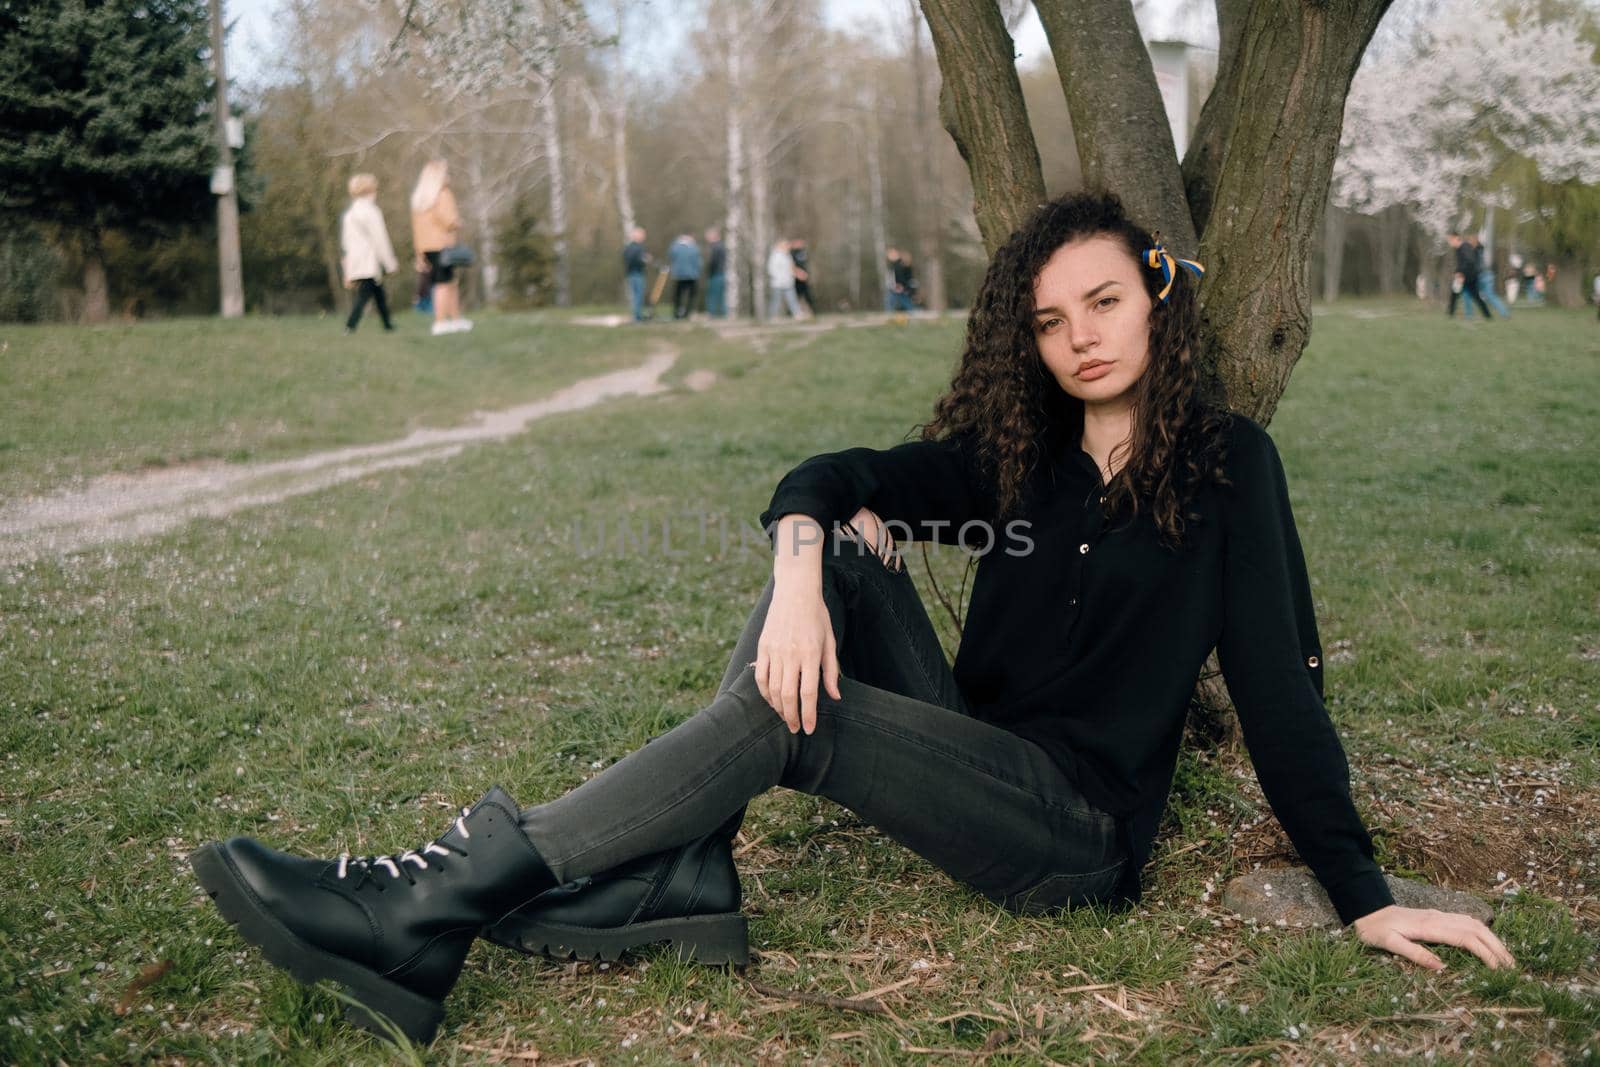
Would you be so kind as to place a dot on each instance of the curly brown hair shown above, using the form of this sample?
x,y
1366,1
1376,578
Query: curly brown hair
x,y
1004,395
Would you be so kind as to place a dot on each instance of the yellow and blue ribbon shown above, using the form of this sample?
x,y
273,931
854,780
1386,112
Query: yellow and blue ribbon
x,y
1158,258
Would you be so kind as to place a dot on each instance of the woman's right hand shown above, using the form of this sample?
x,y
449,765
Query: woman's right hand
x,y
795,652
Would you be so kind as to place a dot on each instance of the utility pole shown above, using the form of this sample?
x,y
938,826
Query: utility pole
x,y
223,185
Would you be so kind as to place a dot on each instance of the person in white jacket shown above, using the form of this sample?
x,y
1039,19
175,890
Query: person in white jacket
x,y
780,281
368,255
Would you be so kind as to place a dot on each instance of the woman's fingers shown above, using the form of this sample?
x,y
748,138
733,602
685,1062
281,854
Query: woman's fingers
x,y
830,666
789,695
762,665
1401,945
808,696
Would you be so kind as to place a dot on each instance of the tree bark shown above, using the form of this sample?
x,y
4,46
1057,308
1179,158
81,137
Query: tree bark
x,y
1270,188
1119,122
1203,161
96,294
981,105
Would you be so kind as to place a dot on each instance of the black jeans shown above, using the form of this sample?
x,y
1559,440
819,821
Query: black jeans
x,y
1469,289
683,297
900,750
368,288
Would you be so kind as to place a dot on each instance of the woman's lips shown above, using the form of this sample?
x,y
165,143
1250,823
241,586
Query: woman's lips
x,y
1088,372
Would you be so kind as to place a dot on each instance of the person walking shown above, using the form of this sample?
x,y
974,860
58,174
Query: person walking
x,y
635,261
802,274
780,281
435,225
683,260
901,295
716,275
367,252
1486,286
1154,527
1465,279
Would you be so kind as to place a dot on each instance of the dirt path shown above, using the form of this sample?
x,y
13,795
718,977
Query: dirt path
x,y
124,507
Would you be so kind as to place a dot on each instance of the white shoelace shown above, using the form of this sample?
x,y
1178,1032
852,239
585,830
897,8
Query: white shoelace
x,y
392,863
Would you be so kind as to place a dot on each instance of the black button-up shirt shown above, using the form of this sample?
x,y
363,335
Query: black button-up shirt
x,y
1086,635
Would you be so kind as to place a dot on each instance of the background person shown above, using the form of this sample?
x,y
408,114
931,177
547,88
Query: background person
x,y
635,261
780,281
802,273
435,224
684,260
716,275
367,252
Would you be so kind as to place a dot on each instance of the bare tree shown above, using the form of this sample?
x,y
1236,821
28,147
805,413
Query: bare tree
x,y
929,215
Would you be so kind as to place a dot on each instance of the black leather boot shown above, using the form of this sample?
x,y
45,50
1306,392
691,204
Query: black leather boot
x,y
687,897
392,930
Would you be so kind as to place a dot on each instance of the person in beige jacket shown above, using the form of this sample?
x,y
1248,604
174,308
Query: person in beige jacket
x,y
368,255
435,222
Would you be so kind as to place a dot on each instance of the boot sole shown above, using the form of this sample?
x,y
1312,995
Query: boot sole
x,y
709,939
381,1004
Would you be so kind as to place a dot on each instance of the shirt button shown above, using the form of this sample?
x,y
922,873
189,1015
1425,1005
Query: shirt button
x,y
1072,602
1312,661
1083,550
1102,500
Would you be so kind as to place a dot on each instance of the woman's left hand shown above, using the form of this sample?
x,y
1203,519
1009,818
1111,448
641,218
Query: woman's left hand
x,y
1400,929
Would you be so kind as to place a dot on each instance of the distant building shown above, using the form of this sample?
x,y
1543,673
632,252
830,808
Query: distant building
x,y
1185,74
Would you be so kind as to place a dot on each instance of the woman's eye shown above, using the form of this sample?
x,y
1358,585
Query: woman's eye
x,y
1048,325
1105,302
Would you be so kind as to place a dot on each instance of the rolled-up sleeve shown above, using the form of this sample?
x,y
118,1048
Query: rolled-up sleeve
x,y
924,490
1272,663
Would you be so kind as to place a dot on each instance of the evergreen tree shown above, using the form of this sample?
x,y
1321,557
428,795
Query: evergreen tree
x,y
105,120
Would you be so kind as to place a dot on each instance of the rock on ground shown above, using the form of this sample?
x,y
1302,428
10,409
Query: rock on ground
x,y
1291,896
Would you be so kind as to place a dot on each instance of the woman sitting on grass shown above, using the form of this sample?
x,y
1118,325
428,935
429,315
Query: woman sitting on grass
x,y
1127,528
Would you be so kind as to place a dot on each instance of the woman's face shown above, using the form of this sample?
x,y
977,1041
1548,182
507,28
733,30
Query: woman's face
x,y
1092,320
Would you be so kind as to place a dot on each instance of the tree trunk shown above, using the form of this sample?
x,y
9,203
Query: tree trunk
x,y
1119,123
1335,225
619,161
550,132
619,133
760,224
856,222
1391,245
96,295
981,105
880,232
1270,188
733,228
929,217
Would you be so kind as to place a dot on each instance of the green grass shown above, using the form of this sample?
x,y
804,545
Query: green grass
x,y
330,672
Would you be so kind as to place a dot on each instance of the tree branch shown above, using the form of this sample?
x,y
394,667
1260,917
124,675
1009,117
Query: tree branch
x,y
1119,122
1204,158
980,103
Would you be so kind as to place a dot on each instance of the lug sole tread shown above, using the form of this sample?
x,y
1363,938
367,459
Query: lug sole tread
x,y
709,939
